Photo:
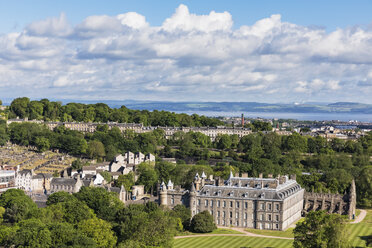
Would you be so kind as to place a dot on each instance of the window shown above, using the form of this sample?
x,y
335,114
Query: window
x,y
224,204
223,222
277,206
262,206
261,217
269,217
198,202
230,214
237,204
245,216
237,223
231,204
276,226
172,201
277,217
206,203
218,213
218,203
245,204
218,222
269,206
223,214
211,203
237,215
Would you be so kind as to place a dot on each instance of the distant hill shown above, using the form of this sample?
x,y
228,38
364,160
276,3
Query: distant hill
x,y
339,107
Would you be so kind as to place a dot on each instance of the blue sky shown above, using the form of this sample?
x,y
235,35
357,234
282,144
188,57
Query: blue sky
x,y
330,14
266,51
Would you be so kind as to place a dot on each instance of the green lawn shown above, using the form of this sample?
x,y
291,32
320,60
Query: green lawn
x,y
217,231
356,234
361,230
287,233
231,242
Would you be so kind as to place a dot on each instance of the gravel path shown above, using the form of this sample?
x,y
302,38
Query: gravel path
x,y
361,216
243,233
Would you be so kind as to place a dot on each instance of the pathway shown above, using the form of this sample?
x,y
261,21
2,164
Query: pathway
x,y
360,217
243,233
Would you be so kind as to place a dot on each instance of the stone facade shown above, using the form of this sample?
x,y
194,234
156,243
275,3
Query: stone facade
x,y
127,162
261,203
31,182
332,203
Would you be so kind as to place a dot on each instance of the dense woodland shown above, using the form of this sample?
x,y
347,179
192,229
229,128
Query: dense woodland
x,y
100,112
92,217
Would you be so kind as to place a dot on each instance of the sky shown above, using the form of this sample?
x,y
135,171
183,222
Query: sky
x,y
169,50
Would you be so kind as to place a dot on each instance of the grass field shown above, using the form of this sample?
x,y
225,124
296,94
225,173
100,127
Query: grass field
x,y
287,233
217,231
231,242
357,233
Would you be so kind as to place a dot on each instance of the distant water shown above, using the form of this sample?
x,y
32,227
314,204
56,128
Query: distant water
x,y
283,115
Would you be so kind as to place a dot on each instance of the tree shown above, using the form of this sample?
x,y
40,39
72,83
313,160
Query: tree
x,y
96,149
126,180
42,144
146,225
65,235
32,233
164,170
17,205
148,176
106,175
321,230
203,222
105,204
100,231
60,196
77,164
19,107
183,213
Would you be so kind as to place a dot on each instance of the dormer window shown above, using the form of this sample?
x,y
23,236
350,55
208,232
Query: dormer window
x,y
219,193
246,194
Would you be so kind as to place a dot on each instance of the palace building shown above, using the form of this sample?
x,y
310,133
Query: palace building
x,y
261,203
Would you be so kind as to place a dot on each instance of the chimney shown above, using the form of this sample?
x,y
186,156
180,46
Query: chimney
x,y
282,179
260,175
270,175
245,175
237,174
242,120
293,177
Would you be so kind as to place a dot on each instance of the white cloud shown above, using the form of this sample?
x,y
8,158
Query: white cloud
x,y
56,26
188,57
184,21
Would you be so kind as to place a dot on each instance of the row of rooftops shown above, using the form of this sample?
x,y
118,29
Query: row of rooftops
x,y
244,187
133,125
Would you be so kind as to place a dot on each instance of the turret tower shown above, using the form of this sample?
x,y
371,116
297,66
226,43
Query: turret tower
x,y
163,195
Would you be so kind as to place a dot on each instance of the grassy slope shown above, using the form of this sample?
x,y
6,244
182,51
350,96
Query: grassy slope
x,y
231,242
358,231
356,234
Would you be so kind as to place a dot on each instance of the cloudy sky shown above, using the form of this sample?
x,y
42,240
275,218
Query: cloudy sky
x,y
187,51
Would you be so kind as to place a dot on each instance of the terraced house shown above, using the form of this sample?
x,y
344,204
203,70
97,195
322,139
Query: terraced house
x,y
261,203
